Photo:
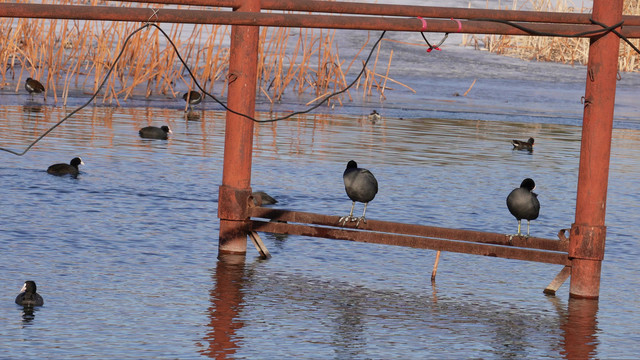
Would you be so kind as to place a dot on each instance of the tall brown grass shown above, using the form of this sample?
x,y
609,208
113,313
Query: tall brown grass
x,y
555,49
71,56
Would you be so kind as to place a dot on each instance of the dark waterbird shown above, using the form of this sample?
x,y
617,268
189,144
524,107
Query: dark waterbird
x,y
66,169
153,132
361,186
28,296
262,198
374,117
192,98
523,203
33,86
523,145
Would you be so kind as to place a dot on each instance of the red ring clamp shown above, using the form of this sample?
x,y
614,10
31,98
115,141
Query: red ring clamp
x,y
424,23
459,24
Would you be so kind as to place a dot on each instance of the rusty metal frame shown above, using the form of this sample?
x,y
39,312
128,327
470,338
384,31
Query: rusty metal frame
x,y
582,254
411,235
408,24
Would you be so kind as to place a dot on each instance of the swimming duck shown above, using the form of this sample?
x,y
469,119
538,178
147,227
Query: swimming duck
x,y
153,132
523,145
66,169
28,296
374,117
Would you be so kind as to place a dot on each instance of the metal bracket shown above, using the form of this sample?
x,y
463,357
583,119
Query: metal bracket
x,y
587,242
233,203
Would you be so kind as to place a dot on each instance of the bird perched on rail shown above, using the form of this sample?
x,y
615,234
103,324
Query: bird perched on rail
x,y
192,98
66,169
28,296
154,132
33,86
523,203
523,145
361,186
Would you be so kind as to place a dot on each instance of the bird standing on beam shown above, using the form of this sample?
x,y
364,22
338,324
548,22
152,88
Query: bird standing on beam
x,y
361,186
523,203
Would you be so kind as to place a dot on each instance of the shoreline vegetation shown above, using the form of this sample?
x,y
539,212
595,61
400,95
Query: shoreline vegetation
x,y
71,55
75,54
554,49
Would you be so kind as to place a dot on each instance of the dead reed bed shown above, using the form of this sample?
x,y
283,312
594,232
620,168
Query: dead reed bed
x,y
71,56
555,49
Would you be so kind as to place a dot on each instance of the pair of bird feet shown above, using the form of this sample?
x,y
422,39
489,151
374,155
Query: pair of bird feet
x,y
350,218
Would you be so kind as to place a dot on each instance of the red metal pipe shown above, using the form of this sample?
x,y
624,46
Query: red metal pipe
x,y
417,242
586,243
238,146
401,10
287,20
410,229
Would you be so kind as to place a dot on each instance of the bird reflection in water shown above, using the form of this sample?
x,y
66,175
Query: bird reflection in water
x,y
31,107
28,315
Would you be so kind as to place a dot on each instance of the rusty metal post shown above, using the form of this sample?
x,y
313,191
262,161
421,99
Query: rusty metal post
x,y
235,190
586,244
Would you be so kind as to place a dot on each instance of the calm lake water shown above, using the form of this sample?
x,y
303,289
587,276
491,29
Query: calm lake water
x,y
125,255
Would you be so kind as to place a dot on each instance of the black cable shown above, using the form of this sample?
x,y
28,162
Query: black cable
x,y
364,67
618,34
437,46
606,29
106,77
124,45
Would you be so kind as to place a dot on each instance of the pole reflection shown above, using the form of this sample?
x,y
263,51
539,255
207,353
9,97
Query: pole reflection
x,y
226,304
580,329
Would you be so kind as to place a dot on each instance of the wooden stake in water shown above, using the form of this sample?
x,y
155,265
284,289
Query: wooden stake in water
x,y
435,267
257,241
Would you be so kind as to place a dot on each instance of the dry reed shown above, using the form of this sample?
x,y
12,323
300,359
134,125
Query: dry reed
x,y
556,49
75,55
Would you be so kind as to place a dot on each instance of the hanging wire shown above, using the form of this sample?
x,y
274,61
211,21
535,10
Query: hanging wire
x,y
605,29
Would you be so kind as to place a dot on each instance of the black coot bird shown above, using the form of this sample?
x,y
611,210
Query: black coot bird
x,y
523,145
66,169
33,86
28,296
361,186
523,203
153,132
192,98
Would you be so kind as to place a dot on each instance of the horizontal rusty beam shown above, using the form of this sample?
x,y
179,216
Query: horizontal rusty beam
x,y
358,8
412,229
416,242
80,12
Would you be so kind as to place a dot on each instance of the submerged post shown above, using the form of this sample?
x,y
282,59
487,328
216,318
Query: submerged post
x,y
586,243
235,190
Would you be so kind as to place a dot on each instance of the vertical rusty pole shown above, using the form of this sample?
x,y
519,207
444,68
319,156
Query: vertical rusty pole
x,y
586,244
236,174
